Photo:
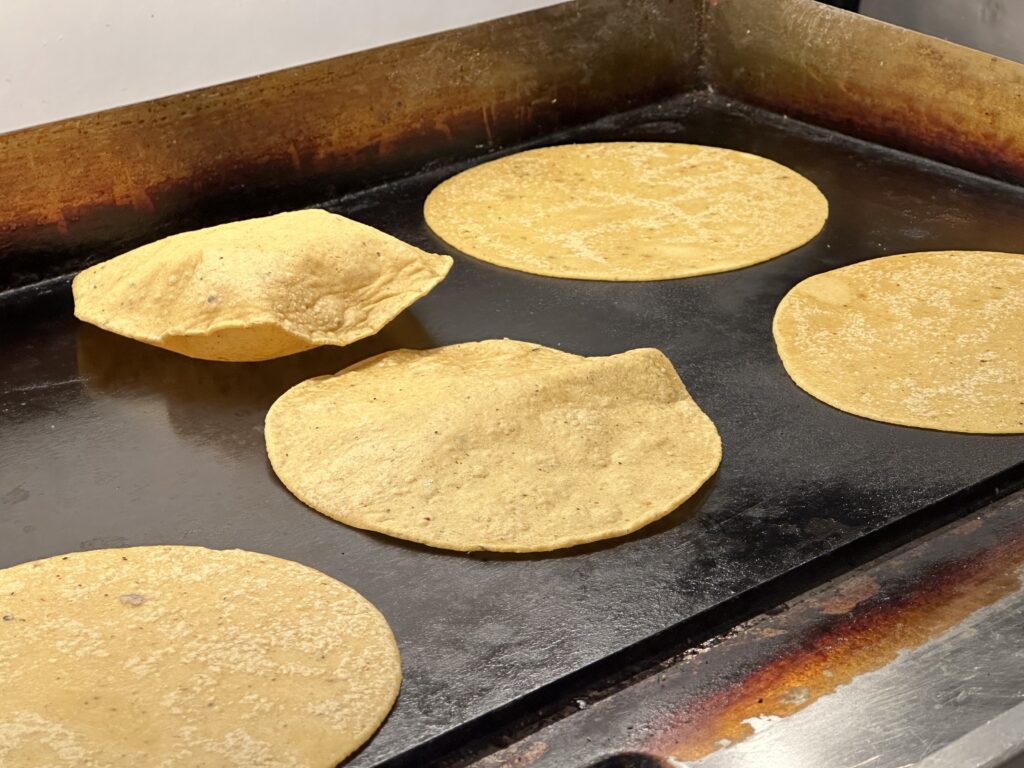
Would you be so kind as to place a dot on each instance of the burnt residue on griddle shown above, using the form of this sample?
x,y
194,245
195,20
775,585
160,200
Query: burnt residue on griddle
x,y
840,634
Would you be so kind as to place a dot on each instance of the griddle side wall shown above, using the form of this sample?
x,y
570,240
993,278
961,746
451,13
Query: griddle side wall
x,y
870,80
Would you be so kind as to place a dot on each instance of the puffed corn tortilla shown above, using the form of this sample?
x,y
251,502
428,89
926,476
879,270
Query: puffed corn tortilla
x,y
259,288
182,656
494,445
933,339
626,210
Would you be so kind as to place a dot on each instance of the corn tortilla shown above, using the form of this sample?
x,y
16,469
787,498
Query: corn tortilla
x,y
182,656
932,340
494,445
626,210
260,288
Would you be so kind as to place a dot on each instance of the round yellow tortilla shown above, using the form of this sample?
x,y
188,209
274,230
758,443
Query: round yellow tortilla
x,y
933,340
494,445
260,288
183,656
626,211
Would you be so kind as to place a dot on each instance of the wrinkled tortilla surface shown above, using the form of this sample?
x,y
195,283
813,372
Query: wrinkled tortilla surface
x,y
933,340
495,445
260,288
626,210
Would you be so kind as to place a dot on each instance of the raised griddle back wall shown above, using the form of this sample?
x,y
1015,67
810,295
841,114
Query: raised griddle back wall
x,y
82,190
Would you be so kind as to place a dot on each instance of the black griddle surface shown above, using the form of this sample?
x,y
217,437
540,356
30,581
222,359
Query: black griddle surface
x,y
107,442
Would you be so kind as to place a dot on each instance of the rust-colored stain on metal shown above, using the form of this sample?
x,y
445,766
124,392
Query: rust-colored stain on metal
x,y
861,629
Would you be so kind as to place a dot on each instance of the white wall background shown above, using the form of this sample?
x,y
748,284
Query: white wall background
x,y
995,26
60,58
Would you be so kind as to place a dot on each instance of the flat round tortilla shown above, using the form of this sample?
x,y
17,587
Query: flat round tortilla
x,y
933,340
626,210
184,656
260,288
494,445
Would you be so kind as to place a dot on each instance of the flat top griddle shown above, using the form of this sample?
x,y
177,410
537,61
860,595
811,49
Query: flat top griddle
x,y
107,442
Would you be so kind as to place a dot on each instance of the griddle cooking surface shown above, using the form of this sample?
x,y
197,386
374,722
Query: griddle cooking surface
x,y
106,442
